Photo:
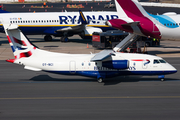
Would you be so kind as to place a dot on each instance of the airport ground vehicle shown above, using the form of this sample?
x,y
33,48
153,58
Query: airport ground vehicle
x,y
110,39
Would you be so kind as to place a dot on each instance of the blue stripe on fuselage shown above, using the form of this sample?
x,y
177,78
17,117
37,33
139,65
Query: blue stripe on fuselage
x,y
164,19
113,73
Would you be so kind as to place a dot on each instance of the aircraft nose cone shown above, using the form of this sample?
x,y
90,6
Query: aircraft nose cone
x,y
173,70
108,23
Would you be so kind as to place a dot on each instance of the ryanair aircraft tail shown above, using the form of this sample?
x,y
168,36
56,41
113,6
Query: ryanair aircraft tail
x,y
19,43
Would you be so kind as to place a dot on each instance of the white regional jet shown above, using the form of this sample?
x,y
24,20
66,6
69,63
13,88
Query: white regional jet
x,y
102,65
59,24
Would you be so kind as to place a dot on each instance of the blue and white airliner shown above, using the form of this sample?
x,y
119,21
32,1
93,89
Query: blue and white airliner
x,y
59,24
105,64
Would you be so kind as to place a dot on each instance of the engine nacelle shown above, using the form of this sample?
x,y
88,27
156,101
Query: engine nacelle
x,y
116,64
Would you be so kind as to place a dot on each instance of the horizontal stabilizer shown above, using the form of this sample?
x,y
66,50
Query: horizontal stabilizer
x,y
32,68
102,55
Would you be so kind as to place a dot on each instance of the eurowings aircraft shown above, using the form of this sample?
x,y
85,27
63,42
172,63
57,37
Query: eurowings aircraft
x,y
104,64
134,19
59,24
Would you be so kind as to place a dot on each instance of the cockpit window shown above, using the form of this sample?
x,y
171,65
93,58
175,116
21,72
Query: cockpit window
x,y
156,62
162,61
159,61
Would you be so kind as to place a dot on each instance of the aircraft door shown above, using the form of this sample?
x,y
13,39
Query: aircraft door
x,y
155,23
1,21
72,67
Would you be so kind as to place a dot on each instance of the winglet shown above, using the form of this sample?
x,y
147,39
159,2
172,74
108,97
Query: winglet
x,y
82,18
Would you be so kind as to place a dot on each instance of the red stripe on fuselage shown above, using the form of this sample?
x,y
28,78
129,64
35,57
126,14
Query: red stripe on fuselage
x,y
137,60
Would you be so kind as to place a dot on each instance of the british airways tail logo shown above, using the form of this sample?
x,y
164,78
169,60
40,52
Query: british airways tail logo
x,y
94,19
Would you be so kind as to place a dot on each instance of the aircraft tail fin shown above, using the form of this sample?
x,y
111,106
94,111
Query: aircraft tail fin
x,y
82,18
130,9
19,43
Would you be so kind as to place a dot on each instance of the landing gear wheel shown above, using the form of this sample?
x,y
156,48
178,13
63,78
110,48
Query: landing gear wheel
x,y
47,38
162,79
100,80
64,39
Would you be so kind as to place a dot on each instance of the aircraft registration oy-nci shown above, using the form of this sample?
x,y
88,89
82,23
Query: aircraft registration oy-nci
x,y
59,24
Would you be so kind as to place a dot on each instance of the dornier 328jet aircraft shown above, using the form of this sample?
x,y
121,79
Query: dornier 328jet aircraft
x,y
102,65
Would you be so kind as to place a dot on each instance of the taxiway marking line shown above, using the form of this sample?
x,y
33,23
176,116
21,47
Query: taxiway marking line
x,y
121,97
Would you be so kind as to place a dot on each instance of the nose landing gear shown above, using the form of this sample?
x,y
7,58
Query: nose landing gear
x,y
161,77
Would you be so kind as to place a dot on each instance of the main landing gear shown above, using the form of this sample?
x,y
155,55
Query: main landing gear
x,y
47,38
100,80
64,39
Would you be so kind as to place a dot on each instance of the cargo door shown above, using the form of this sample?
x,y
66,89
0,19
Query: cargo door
x,y
72,67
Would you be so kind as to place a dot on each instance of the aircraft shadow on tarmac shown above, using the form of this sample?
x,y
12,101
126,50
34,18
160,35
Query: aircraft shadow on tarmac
x,y
108,81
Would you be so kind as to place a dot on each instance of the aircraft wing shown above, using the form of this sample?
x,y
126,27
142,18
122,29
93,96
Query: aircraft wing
x,y
103,55
73,28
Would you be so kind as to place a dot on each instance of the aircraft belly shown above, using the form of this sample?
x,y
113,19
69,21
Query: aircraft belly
x,y
108,74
